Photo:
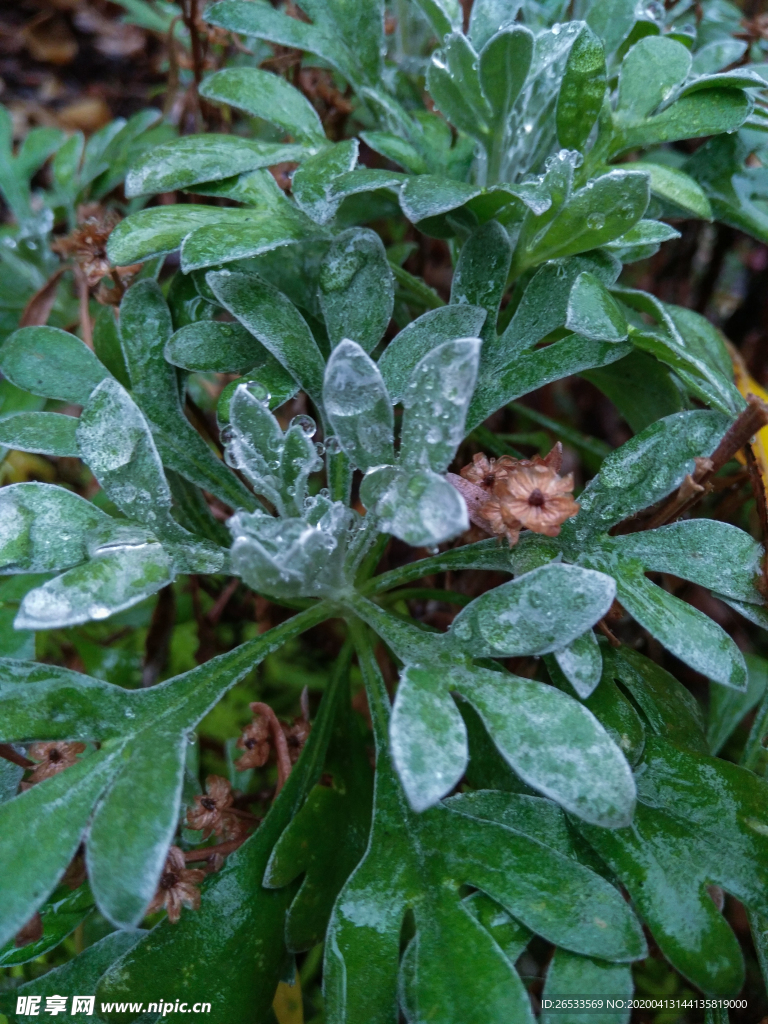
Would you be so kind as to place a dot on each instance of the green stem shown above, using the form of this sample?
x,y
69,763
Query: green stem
x,y
405,639
425,594
378,698
485,554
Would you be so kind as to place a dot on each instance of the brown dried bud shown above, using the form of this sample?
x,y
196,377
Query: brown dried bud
x,y
53,758
177,887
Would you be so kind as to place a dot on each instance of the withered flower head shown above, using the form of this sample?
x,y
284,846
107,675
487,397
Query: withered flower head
x,y
255,742
53,758
87,244
296,736
177,887
209,813
485,472
537,497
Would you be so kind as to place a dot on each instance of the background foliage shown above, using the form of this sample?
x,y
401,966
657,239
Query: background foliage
x,y
311,272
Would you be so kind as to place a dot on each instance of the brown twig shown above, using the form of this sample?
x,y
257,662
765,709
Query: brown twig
x,y
612,639
215,611
221,848
85,314
279,741
7,752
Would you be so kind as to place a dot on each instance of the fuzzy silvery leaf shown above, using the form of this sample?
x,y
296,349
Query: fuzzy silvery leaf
x,y
436,400
44,528
115,442
196,158
713,554
52,363
256,232
647,468
418,506
312,183
553,742
504,62
162,229
676,187
539,612
47,433
690,635
443,15
420,336
488,17
604,209
582,90
649,72
292,557
356,288
145,740
276,322
232,941
727,708
359,407
480,277
225,348
454,86
267,96
107,583
427,735
581,663
593,312
641,241
569,974
365,179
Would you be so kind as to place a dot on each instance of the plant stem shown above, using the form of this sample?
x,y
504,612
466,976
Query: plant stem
x,y
9,754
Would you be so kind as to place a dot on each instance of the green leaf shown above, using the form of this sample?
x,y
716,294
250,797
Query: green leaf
x,y
162,229
569,976
256,232
727,708
398,150
582,90
593,782
33,538
81,974
427,195
700,821
685,631
48,433
713,554
488,17
356,288
192,159
425,859
53,816
428,738
313,182
703,113
61,914
647,468
262,21
480,277
267,96
359,407
327,837
649,73
275,321
593,312
604,209
209,345
436,400
51,363
677,187
669,708
420,336
642,389
124,460
418,506
106,342
454,86
443,15
145,329
504,62
581,663
233,942
110,581
540,611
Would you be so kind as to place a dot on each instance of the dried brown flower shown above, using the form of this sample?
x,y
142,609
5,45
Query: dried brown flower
x,y
485,472
177,887
87,245
209,814
53,758
535,497
255,742
296,736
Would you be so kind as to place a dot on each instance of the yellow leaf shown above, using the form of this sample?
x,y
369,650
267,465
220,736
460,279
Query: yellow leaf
x,y
288,1005
747,385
